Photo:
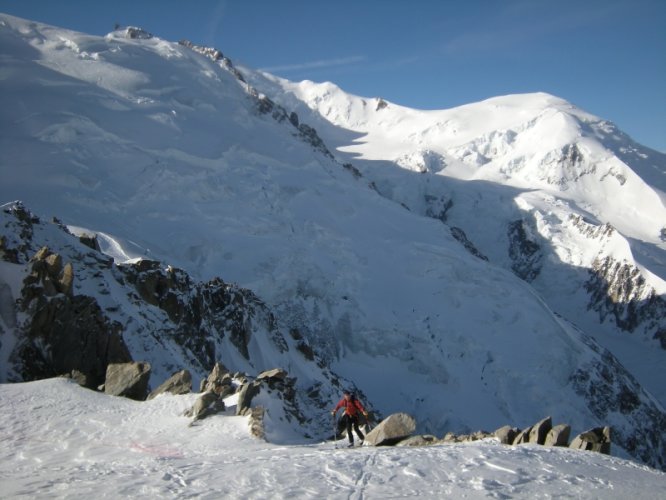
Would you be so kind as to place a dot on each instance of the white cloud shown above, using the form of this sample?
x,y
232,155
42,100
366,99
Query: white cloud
x,y
322,63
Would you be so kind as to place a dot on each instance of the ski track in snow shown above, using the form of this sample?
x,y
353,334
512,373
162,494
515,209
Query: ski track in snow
x,y
63,441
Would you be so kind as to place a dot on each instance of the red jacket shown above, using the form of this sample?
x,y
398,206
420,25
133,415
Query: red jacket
x,y
352,407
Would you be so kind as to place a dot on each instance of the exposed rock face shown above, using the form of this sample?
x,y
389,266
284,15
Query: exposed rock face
x,y
610,389
165,317
524,251
179,383
129,380
263,103
597,439
78,334
391,430
619,290
460,235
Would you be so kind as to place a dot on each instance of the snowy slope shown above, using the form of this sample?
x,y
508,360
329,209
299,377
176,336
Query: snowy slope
x,y
166,153
62,441
538,186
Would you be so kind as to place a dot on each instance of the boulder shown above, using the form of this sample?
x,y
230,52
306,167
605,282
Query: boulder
x,y
209,403
178,383
391,430
275,374
558,435
506,434
523,436
129,380
245,395
540,431
597,439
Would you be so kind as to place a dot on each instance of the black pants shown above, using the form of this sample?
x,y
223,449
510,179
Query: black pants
x,y
349,421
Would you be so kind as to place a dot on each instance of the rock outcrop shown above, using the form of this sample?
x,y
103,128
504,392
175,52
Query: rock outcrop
x,y
129,380
391,430
597,439
179,383
209,403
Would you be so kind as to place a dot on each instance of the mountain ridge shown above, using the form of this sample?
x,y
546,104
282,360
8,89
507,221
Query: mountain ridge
x,y
178,160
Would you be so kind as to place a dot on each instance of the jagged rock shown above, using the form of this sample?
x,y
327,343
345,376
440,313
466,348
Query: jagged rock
x,y
129,380
523,436
209,403
245,395
274,374
391,430
558,435
66,282
178,383
135,33
256,422
597,439
91,241
381,104
425,440
66,333
219,376
540,430
506,434
460,235
524,251
620,290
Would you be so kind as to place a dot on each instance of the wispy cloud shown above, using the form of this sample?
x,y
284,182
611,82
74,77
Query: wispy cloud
x,y
322,63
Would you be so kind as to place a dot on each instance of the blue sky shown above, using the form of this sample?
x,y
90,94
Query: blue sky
x,y
605,56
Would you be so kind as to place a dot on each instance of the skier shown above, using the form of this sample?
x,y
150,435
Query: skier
x,y
352,407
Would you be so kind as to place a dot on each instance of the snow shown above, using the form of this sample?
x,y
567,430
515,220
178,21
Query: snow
x,y
63,441
163,154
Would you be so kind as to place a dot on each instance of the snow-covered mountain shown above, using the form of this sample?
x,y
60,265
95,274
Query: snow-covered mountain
x,y
420,254
560,197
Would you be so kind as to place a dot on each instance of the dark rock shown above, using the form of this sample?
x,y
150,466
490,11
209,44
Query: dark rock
x,y
461,237
381,104
129,380
391,430
65,333
178,383
91,241
524,251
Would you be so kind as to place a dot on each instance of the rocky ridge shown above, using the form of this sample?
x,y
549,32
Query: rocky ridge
x,y
84,316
